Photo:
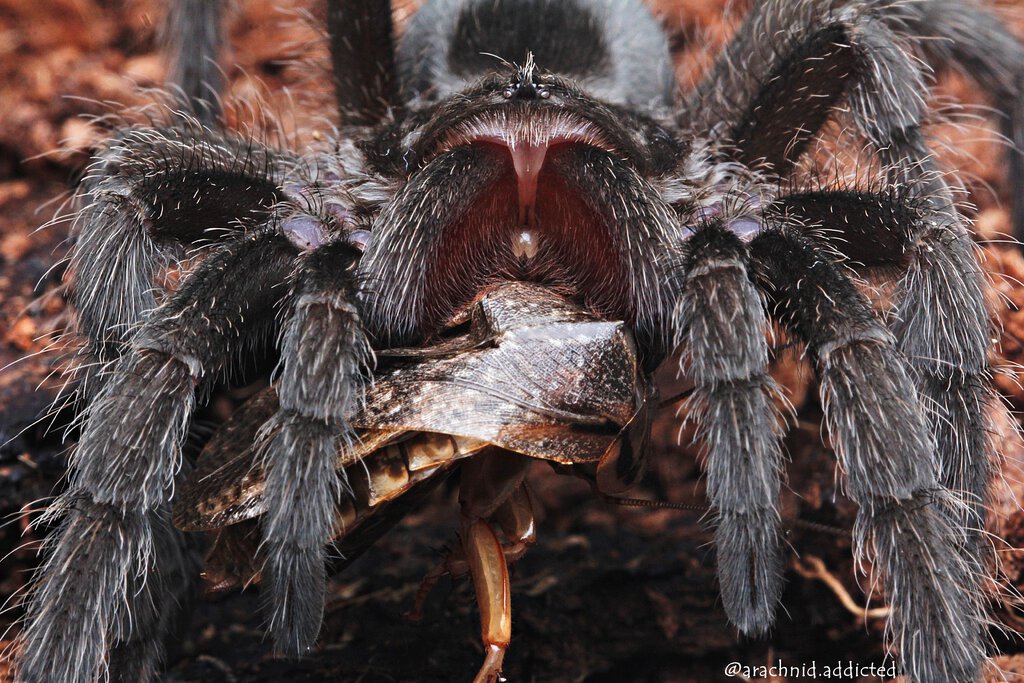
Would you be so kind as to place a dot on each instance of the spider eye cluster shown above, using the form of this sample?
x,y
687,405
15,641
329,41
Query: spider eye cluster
x,y
526,89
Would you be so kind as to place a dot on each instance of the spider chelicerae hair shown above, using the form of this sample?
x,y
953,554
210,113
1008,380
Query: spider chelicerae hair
x,y
541,141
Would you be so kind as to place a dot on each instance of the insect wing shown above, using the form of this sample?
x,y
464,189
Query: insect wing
x,y
556,383
552,383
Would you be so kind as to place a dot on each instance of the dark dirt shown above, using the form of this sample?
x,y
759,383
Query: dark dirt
x,y
609,594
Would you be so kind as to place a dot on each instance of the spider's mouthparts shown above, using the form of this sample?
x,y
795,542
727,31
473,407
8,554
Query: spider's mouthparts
x,y
528,138
528,159
524,245
524,196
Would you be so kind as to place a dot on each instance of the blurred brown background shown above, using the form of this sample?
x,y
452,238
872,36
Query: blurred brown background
x,y
610,594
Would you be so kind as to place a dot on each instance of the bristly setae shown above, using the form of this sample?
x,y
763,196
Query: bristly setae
x,y
545,142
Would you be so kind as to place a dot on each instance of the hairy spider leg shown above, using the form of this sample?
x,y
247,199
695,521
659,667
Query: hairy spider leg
x,y
940,319
722,331
150,194
126,464
962,34
193,35
821,52
887,452
325,357
363,60
775,93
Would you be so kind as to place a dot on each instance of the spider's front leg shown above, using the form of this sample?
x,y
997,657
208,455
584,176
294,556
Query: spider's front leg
x,y
701,299
150,196
113,540
887,453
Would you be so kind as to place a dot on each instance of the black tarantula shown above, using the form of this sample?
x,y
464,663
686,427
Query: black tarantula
x,y
541,141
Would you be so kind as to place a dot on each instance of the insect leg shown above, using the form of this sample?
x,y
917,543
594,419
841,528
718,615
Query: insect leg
x,y
516,519
489,570
491,486
491,490
124,467
887,452
722,327
325,355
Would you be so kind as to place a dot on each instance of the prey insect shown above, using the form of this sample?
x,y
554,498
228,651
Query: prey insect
x,y
570,163
511,389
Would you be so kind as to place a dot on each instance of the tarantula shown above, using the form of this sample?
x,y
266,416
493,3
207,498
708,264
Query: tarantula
x,y
540,141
